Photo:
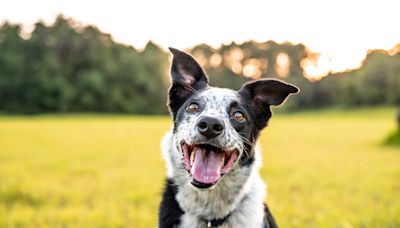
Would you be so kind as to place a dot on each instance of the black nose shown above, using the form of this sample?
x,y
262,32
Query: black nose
x,y
210,127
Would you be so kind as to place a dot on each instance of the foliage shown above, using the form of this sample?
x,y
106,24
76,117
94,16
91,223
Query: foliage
x,y
393,139
377,82
107,171
67,67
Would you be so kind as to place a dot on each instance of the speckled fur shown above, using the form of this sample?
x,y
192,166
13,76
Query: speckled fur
x,y
216,102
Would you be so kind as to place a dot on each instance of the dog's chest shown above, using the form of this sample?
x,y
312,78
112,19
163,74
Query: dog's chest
x,y
243,217
245,208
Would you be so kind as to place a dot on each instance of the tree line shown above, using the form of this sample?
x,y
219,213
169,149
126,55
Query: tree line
x,y
67,67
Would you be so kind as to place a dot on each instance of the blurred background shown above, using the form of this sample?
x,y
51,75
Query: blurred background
x,y
83,90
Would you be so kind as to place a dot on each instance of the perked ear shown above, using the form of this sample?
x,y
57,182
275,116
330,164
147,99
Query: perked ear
x,y
187,78
268,91
185,70
261,94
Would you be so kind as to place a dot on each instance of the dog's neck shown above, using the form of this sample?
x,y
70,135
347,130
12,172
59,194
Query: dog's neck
x,y
239,193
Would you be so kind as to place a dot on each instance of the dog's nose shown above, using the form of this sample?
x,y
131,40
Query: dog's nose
x,y
210,127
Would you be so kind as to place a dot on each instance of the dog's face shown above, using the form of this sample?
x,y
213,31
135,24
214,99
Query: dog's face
x,y
215,129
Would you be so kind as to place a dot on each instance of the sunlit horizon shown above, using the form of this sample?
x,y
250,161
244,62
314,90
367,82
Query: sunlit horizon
x,y
341,31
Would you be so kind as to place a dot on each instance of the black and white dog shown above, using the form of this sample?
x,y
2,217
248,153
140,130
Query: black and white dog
x,y
211,152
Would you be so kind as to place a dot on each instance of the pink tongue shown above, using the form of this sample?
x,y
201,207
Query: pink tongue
x,y
206,167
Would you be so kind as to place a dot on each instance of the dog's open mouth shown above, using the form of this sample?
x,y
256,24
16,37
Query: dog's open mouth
x,y
206,163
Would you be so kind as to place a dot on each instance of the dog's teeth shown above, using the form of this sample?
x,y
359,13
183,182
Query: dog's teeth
x,y
192,155
222,161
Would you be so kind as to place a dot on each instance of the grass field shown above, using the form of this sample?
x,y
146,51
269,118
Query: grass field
x,y
323,169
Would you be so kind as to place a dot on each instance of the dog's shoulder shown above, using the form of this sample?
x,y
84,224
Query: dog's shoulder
x,y
170,212
269,220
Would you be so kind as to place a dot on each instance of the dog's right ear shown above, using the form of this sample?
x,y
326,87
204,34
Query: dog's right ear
x,y
187,78
259,95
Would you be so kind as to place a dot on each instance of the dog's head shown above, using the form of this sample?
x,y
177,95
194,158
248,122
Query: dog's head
x,y
215,129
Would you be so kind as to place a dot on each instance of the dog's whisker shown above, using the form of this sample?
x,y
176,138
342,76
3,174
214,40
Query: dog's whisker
x,y
247,141
192,89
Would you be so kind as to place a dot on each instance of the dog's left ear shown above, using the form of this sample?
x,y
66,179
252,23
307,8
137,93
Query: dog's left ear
x,y
187,78
261,94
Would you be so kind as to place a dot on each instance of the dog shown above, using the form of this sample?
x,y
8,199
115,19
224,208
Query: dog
x,y
211,153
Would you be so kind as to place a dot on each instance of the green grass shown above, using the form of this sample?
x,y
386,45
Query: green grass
x,y
323,169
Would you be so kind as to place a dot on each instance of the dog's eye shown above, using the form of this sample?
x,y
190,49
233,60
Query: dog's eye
x,y
239,117
193,107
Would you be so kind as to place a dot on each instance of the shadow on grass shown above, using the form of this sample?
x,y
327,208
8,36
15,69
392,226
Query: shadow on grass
x,y
17,196
393,139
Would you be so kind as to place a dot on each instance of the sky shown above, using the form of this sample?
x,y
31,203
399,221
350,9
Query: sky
x,y
342,31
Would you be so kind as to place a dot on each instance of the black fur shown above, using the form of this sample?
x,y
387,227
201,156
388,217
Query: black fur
x,y
269,220
261,94
187,77
170,211
257,97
